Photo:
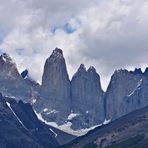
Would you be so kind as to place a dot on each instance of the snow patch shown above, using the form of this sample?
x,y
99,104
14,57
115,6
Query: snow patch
x,y
43,120
72,115
67,127
33,101
4,59
45,109
106,121
55,134
52,112
25,77
8,104
139,83
137,88
39,116
9,96
87,112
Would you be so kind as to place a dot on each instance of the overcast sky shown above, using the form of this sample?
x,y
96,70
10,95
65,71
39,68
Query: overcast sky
x,y
107,34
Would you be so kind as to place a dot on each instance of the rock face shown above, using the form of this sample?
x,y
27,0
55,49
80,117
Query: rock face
x,y
80,102
55,87
139,96
11,82
87,98
24,74
126,92
20,127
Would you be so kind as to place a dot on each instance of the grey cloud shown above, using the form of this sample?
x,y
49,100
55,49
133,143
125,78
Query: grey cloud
x,y
111,34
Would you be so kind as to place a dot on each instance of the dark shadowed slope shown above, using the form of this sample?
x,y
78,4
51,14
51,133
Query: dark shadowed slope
x,y
20,128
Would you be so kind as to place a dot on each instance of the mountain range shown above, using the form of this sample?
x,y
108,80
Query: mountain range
x,y
74,106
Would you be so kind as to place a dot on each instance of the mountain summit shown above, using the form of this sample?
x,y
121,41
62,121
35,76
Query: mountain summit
x,y
55,88
11,82
79,103
86,93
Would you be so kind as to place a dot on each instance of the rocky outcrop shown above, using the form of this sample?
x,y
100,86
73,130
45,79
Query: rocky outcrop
x,y
138,98
57,99
126,92
55,89
87,98
11,82
80,102
24,74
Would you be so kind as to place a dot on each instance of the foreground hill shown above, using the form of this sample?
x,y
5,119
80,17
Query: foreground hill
x,y
20,127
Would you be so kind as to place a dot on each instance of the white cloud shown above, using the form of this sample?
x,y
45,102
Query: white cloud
x,y
109,34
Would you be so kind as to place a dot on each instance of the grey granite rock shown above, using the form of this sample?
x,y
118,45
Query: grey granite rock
x,y
81,101
138,98
61,99
55,89
126,92
11,82
87,98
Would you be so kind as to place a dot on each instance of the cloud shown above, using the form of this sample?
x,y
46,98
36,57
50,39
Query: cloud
x,y
107,34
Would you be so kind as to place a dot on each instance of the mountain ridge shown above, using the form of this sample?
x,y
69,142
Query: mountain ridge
x,y
58,97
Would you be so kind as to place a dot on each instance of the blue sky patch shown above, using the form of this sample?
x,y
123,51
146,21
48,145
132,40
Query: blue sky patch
x,y
19,51
66,27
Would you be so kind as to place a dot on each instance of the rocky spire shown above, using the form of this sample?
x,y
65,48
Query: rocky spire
x,y
87,97
56,84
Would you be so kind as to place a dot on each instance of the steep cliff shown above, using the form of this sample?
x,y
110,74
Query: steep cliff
x,y
87,98
126,92
55,88
11,82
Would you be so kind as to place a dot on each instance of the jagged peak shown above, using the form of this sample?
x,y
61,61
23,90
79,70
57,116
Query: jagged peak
x,y
6,58
146,71
82,67
91,69
137,71
57,55
57,52
120,71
